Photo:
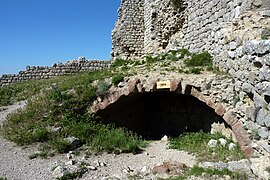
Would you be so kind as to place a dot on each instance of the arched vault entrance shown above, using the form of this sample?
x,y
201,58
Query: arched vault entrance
x,y
153,112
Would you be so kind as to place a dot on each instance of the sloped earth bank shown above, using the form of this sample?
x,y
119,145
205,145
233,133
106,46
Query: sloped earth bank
x,y
15,162
16,165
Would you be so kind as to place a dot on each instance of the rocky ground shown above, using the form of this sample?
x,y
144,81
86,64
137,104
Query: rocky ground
x,y
15,162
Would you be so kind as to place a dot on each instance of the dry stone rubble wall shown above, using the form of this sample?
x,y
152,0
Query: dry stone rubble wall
x,y
45,72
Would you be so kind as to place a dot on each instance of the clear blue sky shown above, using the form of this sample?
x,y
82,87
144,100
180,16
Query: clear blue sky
x,y
43,32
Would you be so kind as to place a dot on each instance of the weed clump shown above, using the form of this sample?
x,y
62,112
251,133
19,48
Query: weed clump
x,y
202,59
103,86
63,106
117,79
119,63
197,143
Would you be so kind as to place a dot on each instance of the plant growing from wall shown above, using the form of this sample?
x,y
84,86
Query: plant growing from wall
x,y
103,86
266,34
201,59
177,4
117,79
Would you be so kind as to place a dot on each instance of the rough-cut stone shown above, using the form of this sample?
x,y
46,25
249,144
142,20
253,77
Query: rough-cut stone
x,y
230,118
231,146
222,141
242,166
212,143
263,117
73,143
60,69
248,88
172,168
214,165
219,109
176,86
259,100
263,132
259,165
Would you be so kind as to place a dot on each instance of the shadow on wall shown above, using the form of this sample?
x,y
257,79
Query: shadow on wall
x,y
155,114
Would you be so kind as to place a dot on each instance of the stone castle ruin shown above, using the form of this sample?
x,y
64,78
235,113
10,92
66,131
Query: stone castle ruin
x,y
235,32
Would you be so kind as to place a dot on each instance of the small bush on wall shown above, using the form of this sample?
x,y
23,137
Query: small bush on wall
x,y
178,4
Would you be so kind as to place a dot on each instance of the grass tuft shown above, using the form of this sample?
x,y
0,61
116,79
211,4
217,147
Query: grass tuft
x,y
197,144
63,104
117,79
207,173
201,59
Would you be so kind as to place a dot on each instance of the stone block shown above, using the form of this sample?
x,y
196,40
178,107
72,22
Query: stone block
x,y
230,118
263,133
263,117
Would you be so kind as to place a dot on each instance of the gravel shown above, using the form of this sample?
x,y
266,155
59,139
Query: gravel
x,y
16,165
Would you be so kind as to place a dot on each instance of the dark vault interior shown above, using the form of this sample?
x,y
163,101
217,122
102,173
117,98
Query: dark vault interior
x,y
155,114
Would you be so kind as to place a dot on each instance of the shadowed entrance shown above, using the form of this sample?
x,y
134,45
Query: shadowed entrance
x,y
155,114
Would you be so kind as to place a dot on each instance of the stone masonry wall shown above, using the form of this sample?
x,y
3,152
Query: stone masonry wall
x,y
128,34
236,33
45,72
162,20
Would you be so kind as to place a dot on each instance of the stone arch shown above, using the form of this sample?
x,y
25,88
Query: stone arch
x,y
178,90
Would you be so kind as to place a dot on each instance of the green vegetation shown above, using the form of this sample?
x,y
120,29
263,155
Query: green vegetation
x,y
201,59
209,173
103,86
195,70
25,90
266,34
193,63
63,105
3,178
236,99
38,154
122,140
178,4
117,79
71,176
119,63
268,169
197,144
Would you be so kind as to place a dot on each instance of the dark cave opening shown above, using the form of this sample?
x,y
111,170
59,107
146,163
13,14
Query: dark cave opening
x,y
155,114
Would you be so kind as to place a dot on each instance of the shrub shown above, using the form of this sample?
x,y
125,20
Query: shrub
x,y
119,63
178,4
201,59
59,144
172,57
117,79
116,140
103,86
208,172
38,154
40,135
197,143
268,169
195,70
150,59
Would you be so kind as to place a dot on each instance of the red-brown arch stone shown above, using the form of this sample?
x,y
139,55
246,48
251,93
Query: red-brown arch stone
x,y
135,86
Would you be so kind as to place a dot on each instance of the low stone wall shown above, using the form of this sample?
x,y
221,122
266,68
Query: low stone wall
x,y
45,72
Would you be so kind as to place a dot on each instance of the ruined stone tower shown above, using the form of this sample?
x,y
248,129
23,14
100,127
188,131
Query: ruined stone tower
x,y
235,32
